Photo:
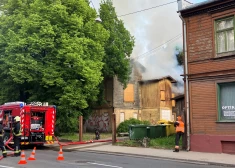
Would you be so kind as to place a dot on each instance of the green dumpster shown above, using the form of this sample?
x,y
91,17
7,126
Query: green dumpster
x,y
156,131
137,131
161,131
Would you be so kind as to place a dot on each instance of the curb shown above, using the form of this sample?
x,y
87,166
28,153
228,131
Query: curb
x,y
87,146
198,162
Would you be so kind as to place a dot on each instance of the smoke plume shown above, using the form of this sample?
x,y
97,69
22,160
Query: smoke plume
x,y
152,28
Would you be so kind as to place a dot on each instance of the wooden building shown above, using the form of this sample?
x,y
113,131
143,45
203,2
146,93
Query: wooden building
x,y
155,97
210,74
123,102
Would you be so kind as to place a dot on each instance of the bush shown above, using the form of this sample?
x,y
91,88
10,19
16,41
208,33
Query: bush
x,y
124,126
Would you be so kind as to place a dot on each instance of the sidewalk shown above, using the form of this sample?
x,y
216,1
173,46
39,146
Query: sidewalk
x,y
182,156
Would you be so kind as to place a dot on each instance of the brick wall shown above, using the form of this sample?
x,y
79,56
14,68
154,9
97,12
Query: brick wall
x,y
204,110
119,92
152,115
128,113
202,56
206,68
199,37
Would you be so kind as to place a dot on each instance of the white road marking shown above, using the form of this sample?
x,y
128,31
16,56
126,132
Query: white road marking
x,y
6,166
104,165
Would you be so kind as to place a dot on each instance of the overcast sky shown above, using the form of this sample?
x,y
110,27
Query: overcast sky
x,y
151,29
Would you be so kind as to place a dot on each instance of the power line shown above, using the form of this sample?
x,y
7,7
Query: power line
x,y
141,10
147,9
158,47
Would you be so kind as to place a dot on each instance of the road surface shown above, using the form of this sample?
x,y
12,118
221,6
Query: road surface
x,y
47,158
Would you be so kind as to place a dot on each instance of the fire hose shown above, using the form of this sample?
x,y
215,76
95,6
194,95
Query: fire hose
x,y
7,142
81,142
63,144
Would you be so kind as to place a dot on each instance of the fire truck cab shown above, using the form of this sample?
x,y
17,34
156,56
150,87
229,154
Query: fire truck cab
x,y
37,122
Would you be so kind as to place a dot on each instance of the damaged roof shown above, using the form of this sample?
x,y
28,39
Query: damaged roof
x,y
181,96
172,80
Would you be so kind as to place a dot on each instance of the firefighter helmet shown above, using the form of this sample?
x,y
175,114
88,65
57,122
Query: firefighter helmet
x,y
17,118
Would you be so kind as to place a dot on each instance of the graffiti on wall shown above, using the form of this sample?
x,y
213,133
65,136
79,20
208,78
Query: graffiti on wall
x,y
99,121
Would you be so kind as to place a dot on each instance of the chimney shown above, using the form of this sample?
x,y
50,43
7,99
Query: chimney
x,y
182,4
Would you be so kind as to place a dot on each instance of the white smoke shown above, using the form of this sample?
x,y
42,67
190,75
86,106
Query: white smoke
x,y
153,28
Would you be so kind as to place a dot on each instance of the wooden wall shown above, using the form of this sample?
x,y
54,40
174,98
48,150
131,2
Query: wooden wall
x,y
150,95
156,94
155,97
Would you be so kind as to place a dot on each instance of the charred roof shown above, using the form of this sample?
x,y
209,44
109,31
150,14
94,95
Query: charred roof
x,y
172,80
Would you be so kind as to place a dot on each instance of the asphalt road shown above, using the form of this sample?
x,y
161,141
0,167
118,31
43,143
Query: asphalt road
x,y
46,158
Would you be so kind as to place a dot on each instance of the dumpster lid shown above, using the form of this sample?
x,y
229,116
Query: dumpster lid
x,y
138,125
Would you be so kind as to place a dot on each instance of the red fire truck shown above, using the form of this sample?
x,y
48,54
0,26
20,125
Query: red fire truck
x,y
37,121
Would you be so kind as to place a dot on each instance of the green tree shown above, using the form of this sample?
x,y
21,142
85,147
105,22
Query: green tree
x,y
119,46
51,50
179,56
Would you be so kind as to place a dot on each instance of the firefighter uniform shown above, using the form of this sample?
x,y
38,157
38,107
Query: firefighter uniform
x,y
2,145
17,136
179,132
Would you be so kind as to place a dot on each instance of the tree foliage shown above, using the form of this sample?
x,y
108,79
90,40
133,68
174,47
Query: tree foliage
x,y
179,56
119,46
51,50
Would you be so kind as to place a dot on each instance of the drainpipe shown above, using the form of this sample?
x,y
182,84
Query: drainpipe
x,y
186,78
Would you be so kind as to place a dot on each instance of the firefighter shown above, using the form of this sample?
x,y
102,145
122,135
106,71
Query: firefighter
x,y
2,145
17,136
179,124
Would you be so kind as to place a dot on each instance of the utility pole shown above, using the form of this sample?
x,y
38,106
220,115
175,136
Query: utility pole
x,y
114,138
80,128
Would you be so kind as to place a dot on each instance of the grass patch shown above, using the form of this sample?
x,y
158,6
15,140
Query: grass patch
x,y
164,143
158,143
86,136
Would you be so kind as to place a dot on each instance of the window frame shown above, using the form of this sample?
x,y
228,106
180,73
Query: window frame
x,y
218,89
225,30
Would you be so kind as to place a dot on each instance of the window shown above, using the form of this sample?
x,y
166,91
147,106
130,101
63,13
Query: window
x,y
129,93
122,117
162,95
135,115
226,101
225,35
173,101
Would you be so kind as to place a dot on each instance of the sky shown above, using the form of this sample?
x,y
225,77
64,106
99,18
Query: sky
x,y
152,29
197,1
